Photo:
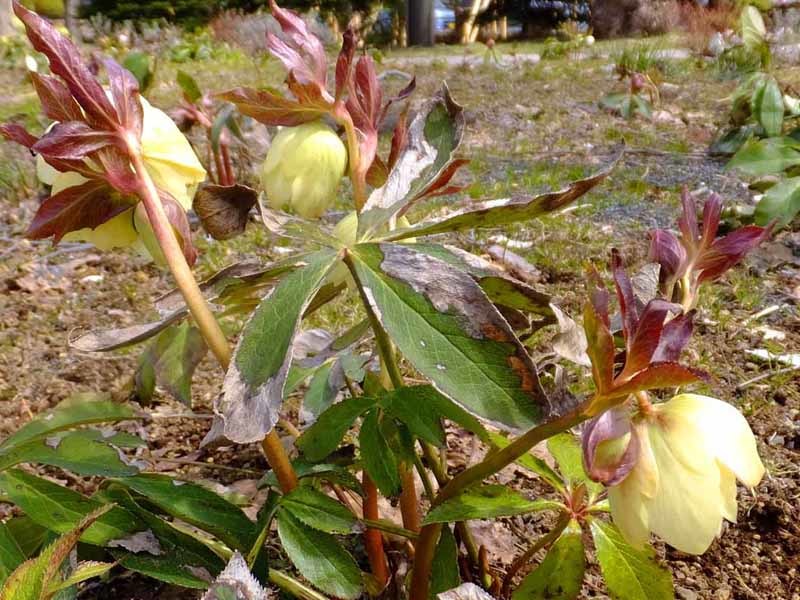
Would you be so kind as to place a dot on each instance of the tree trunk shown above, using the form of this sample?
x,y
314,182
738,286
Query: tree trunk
x,y
420,23
5,18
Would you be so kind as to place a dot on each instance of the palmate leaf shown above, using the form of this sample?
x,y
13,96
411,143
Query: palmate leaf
x,y
486,502
560,574
253,386
448,329
319,558
629,573
495,213
424,166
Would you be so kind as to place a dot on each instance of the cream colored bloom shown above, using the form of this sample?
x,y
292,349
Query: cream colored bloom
x,y
170,161
692,450
303,168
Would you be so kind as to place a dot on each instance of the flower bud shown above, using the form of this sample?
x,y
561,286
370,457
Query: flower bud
x,y
610,446
302,170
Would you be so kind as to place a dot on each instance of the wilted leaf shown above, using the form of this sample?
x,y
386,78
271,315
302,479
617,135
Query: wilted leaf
x,y
485,502
253,386
495,213
466,591
449,330
570,343
433,137
629,573
236,582
224,209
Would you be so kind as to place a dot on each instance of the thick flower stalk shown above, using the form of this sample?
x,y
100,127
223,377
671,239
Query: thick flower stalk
x,y
672,468
303,169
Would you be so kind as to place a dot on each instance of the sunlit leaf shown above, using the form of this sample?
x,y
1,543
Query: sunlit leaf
x,y
486,502
560,574
629,573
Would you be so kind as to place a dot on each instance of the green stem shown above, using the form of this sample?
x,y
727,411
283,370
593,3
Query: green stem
x,y
294,587
494,462
526,556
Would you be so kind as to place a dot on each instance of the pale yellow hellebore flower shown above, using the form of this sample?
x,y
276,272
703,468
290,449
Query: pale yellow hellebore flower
x,y
692,450
303,168
170,161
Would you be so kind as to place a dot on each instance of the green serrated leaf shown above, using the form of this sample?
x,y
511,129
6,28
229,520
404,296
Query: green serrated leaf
x,y
85,570
11,555
417,408
197,506
560,574
84,452
32,579
445,574
183,557
254,383
486,502
322,438
319,558
781,202
377,456
77,410
629,573
448,329
59,509
566,449
319,511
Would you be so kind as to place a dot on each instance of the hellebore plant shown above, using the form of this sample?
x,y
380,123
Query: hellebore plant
x,y
447,328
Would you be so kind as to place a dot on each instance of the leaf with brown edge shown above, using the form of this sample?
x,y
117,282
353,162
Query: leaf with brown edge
x,y
67,63
85,205
271,108
494,213
57,103
73,140
223,210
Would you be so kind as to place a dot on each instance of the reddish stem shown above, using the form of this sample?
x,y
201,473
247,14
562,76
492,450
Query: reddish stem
x,y
373,539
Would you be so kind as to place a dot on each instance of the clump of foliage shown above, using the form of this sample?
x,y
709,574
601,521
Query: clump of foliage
x,y
434,335
642,95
